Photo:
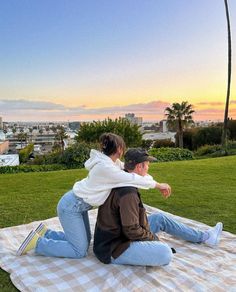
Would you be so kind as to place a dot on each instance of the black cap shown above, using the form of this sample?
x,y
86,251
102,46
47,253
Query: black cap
x,y
138,155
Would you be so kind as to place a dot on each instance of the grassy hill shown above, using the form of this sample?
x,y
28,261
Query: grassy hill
x,y
204,190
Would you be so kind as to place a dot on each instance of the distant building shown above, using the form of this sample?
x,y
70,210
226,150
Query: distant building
x,y
4,147
153,128
159,136
74,126
1,124
133,119
163,126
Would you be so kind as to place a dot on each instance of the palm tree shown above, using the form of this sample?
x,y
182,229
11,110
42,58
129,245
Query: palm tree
x,y
31,131
224,133
60,136
22,137
179,115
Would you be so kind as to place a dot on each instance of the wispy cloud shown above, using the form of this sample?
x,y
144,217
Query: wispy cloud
x,y
210,103
23,109
23,104
28,108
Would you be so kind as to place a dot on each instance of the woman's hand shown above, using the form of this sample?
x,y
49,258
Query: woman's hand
x,y
164,188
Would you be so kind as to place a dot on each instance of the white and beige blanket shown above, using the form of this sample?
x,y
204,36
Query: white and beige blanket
x,y
194,267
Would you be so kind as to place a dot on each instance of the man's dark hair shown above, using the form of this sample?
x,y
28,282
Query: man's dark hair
x,y
136,155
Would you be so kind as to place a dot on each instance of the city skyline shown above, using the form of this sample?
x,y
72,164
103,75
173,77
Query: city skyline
x,y
89,60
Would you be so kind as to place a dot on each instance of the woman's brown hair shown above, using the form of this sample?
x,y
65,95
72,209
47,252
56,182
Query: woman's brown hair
x,y
109,143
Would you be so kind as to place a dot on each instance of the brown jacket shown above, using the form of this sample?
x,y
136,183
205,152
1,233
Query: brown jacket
x,y
121,220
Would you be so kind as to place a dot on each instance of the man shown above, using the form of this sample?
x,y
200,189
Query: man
x,y
124,234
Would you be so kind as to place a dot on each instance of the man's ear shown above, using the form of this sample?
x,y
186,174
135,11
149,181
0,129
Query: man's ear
x,y
138,167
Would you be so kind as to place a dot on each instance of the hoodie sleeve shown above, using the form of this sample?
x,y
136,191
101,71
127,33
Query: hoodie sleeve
x,y
114,177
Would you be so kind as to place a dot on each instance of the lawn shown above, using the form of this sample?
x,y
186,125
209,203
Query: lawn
x,y
204,190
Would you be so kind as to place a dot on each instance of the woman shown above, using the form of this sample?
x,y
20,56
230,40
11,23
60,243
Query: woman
x,y
105,173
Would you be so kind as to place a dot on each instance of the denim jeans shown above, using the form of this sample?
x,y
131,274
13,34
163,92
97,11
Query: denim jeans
x,y
157,253
74,241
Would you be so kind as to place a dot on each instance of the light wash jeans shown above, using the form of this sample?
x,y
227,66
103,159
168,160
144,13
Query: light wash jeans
x,y
157,253
74,241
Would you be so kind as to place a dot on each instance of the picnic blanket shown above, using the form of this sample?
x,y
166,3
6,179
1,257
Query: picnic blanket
x,y
195,267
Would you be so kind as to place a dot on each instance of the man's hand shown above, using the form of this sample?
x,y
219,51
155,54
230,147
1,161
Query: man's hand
x,y
165,189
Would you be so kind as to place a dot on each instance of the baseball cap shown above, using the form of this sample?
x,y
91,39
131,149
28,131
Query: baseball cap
x,y
137,155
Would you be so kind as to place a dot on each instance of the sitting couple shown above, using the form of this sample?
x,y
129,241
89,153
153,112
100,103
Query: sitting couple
x,y
123,234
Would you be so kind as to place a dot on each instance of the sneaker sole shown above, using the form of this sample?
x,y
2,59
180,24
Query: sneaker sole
x,y
25,243
219,232
39,228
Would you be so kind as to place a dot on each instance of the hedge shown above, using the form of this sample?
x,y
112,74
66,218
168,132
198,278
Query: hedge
x,y
171,154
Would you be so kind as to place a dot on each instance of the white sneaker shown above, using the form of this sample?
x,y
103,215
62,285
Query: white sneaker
x,y
214,234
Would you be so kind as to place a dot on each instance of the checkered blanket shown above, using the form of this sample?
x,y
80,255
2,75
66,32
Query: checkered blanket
x,y
194,267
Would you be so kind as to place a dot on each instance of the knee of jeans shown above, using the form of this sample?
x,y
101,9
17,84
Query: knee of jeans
x,y
167,255
159,217
81,252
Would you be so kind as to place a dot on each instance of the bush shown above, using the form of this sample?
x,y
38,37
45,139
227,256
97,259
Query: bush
x,y
30,168
76,155
163,143
208,149
146,144
171,154
216,150
25,153
90,132
232,144
232,129
207,136
72,157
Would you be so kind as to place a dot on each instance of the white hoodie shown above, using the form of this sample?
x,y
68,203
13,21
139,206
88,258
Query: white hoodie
x,y
104,175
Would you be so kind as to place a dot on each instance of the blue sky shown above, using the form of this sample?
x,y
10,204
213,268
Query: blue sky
x,y
90,59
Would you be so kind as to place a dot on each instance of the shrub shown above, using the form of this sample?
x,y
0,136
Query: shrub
x,y
163,143
90,132
171,154
232,144
76,155
146,144
216,150
72,157
30,168
207,136
232,129
208,149
25,153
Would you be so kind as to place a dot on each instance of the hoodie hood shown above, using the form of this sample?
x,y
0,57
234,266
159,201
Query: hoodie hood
x,y
95,158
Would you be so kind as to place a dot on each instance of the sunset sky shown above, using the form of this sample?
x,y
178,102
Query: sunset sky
x,y
67,60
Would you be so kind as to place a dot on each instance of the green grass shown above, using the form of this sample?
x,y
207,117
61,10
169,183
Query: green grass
x,y
204,190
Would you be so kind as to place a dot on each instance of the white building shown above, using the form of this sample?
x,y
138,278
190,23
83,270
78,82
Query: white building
x,y
9,160
133,119
159,136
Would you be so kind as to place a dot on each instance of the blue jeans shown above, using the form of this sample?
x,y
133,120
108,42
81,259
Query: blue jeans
x,y
157,253
74,241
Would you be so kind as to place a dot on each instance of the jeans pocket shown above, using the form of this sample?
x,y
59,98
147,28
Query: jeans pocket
x,y
81,205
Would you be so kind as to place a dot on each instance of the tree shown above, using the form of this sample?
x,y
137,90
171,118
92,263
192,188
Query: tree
x,y
22,137
40,131
13,130
31,131
224,132
90,132
59,138
180,116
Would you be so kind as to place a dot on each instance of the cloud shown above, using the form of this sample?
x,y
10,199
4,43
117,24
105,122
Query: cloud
x,y
26,110
210,103
23,104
